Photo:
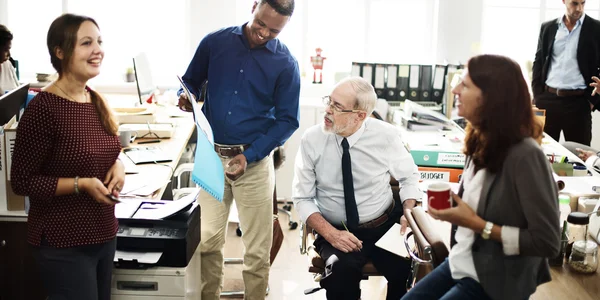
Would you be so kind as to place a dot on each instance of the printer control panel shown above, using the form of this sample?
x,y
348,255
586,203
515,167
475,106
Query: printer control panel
x,y
155,232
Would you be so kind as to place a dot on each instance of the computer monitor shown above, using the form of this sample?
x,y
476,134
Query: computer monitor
x,y
143,76
12,102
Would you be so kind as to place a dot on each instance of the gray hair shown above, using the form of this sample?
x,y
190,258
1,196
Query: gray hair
x,y
366,98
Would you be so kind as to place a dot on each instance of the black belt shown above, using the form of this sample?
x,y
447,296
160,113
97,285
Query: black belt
x,y
230,150
381,219
565,93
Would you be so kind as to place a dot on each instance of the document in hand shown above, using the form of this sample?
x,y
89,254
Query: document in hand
x,y
208,170
393,241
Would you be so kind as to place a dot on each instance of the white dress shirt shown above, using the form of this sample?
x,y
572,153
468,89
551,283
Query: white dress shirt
x,y
8,77
376,151
564,70
461,255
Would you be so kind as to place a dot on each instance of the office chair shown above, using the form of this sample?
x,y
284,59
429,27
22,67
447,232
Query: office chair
x,y
317,264
429,251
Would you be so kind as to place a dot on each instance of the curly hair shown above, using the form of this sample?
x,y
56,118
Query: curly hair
x,y
505,116
282,7
5,36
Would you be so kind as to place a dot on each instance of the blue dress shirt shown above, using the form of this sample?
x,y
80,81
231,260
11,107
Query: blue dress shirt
x,y
252,94
564,70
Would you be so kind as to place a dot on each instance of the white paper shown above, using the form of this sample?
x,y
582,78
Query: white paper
x,y
141,257
126,209
438,82
163,209
199,116
393,241
367,73
414,77
355,70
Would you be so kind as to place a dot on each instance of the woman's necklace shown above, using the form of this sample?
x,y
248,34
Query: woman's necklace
x,y
71,97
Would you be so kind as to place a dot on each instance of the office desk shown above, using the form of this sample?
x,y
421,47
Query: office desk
x,y
19,277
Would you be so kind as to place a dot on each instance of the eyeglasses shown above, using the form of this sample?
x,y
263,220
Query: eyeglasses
x,y
335,107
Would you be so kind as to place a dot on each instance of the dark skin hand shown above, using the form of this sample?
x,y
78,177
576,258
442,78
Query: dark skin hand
x,y
236,167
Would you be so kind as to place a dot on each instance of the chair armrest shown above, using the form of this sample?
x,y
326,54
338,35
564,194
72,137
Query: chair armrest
x,y
307,237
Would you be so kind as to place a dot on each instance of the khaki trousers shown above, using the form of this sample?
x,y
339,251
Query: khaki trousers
x,y
253,194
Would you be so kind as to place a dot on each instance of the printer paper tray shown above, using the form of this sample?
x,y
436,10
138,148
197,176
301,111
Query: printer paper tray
x,y
141,257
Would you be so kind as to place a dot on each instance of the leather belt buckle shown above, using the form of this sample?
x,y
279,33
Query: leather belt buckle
x,y
379,220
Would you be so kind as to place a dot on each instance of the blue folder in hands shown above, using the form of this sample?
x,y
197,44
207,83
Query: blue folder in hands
x,y
208,170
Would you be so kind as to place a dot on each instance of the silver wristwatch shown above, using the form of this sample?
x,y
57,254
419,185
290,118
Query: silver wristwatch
x,y
487,230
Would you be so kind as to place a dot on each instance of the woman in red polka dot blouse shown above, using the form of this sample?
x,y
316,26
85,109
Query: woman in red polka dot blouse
x,y
66,160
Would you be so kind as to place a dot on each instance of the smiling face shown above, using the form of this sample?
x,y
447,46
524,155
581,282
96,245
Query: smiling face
x,y
88,54
574,8
265,25
468,98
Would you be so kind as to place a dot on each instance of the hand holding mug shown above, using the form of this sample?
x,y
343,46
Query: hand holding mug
x,y
461,214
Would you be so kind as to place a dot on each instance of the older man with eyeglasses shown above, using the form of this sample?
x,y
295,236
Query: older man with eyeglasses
x,y
341,189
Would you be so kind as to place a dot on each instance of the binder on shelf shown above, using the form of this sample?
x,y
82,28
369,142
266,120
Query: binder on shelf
x,y
439,79
441,174
367,72
379,80
425,82
414,81
391,83
356,69
403,82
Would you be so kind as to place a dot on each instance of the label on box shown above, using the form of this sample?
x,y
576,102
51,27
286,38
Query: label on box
x,y
454,159
3,196
11,137
435,176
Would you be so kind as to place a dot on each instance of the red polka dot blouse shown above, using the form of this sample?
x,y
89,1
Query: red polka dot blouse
x,y
61,138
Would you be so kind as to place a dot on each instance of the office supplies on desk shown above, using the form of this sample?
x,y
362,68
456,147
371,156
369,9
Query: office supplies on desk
x,y
145,155
208,170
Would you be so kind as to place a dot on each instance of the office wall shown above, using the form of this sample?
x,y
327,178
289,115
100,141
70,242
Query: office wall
x,y
459,30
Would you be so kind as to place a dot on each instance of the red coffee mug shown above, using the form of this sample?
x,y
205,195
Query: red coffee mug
x,y
438,195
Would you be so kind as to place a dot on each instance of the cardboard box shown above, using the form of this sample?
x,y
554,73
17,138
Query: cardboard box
x,y
14,202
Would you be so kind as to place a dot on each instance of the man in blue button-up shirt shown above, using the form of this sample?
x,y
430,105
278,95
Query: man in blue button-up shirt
x,y
252,104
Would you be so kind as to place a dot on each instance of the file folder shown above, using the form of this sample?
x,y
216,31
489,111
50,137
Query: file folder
x,y
367,72
439,80
356,69
379,81
391,83
403,82
425,83
414,81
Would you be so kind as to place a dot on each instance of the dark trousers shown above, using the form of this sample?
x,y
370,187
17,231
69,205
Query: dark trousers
x,y
346,272
76,273
439,284
570,114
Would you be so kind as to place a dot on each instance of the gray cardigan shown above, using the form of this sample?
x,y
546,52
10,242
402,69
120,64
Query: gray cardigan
x,y
522,194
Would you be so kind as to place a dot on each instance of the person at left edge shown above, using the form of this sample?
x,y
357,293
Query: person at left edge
x,y
252,104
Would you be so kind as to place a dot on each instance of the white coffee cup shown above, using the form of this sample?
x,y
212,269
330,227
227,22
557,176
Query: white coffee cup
x,y
126,137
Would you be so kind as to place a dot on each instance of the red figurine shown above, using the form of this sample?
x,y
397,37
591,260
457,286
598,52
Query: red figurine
x,y
317,63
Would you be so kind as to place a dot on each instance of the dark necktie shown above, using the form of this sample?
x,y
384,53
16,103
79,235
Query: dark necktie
x,y
351,209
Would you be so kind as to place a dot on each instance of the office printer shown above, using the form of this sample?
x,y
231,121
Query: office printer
x,y
157,233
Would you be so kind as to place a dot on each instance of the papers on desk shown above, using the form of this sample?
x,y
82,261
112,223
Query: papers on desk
x,y
393,241
578,185
145,184
208,170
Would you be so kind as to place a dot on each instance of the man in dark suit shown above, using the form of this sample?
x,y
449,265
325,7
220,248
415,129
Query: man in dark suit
x,y
567,56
